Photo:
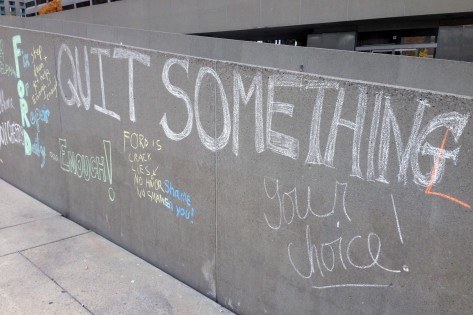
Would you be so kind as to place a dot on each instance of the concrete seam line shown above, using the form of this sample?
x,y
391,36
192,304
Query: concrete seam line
x,y
56,241
62,288
216,192
32,221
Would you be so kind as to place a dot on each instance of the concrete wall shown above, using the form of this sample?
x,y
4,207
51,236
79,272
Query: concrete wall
x,y
340,41
227,15
299,192
455,42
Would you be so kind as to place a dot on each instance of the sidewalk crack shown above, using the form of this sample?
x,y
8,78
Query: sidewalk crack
x,y
55,282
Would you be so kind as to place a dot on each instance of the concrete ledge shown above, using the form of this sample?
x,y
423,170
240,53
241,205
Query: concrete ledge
x,y
409,72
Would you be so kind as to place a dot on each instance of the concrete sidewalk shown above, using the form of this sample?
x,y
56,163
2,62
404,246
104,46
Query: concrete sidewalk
x,y
50,265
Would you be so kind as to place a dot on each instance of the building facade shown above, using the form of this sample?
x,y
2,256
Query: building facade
x,y
27,8
422,28
12,7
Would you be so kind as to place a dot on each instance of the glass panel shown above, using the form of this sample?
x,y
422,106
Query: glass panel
x,y
82,4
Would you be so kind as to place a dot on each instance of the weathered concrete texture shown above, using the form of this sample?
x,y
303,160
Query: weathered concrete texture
x,y
108,280
24,289
301,228
227,15
271,191
12,239
455,42
83,274
417,73
15,209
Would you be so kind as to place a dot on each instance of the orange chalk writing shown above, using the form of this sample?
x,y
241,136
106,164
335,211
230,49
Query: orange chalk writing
x,y
429,191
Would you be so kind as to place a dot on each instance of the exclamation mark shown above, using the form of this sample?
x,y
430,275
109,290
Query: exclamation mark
x,y
108,160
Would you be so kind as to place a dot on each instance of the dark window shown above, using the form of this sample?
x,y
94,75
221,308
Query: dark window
x,y
413,42
397,37
83,4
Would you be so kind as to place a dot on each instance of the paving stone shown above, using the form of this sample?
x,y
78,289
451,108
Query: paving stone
x,y
36,233
109,280
24,289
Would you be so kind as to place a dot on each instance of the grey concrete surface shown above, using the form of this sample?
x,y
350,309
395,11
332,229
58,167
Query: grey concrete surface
x,y
84,274
292,191
108,280
227,15
455,42
20,237
24,289
339,41
18,210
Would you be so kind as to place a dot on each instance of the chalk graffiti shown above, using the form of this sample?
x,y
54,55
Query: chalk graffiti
x,y
384,140
75,85
11,133
141,154
26,61
145,172
44,83
186,211
39,115
36,117
383,126
435,168
121,53
285,145
332,256
98,167
333,128
5,69
54,156
5,104
17,52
